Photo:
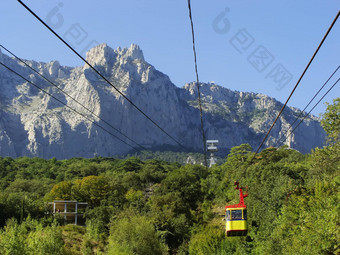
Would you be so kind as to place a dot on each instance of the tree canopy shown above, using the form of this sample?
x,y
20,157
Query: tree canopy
x,y
155,207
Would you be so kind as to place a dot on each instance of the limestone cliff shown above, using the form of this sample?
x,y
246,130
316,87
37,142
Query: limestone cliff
x,y
34,124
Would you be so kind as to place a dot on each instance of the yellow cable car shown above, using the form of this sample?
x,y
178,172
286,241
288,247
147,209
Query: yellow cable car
x,y
236,216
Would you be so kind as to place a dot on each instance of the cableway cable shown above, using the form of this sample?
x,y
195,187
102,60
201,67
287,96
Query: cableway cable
x,y
310,61
83,115
102,76
198,85
301,112
310,111
61,90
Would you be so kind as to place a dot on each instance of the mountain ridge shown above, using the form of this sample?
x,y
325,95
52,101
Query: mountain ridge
x,y
34,124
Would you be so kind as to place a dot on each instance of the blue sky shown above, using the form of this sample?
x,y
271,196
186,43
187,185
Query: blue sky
x,y
254,46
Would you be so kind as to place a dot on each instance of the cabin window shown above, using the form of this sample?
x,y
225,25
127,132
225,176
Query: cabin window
x,y
245,214
228,215
236,215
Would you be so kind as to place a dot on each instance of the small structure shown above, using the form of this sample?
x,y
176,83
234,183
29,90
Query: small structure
x,y
212,147
72,211
190,160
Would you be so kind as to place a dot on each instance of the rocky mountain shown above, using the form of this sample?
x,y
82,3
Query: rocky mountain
x,y
34,124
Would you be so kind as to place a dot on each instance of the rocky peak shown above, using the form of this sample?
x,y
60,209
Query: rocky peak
x,y
133,52
101,55
53,68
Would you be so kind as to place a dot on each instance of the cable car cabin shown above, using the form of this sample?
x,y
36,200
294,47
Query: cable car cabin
x,y
236,221
236,216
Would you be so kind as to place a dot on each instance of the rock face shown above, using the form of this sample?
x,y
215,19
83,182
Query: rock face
x,y
32,123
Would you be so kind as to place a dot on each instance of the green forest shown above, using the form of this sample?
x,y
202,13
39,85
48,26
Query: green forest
x,y
155,207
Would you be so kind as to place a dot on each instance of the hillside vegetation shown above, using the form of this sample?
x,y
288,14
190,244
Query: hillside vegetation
x,y
155,207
